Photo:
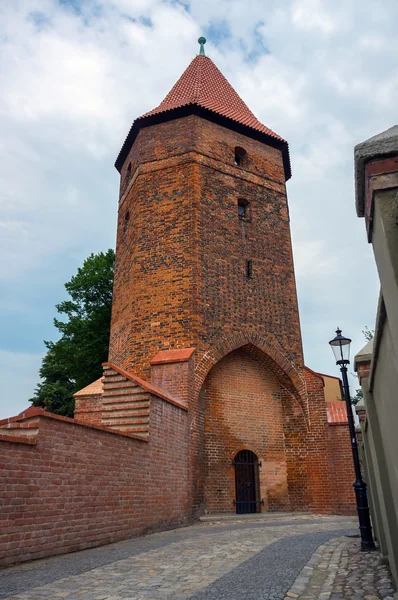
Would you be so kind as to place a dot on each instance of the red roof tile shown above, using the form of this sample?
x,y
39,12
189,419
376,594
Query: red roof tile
x,y
337,412
94,388
203,84
202,89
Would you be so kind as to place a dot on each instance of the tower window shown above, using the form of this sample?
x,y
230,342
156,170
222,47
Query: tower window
x,y
240,155
128,173
249,269
243,209
126,221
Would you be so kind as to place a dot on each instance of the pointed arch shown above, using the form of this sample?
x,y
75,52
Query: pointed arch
x,y
268,351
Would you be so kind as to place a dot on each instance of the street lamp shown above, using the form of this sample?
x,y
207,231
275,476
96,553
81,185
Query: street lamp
x,y
341,350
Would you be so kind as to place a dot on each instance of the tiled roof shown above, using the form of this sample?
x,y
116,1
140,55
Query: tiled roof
x,y
337,412
203,84
202,89
94,388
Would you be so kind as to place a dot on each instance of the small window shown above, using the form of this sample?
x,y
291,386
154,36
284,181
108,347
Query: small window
x,y
249,269
128,173
126,222
240,154
243,209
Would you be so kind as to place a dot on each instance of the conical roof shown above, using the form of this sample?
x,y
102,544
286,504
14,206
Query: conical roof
x,y
202,89
203,84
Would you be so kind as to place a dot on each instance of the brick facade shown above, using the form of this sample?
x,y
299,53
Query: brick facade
x,y
205,355
243,409
176,269
343,475
76,486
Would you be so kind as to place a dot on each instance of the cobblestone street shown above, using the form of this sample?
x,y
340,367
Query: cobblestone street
x,y
275,557
338,569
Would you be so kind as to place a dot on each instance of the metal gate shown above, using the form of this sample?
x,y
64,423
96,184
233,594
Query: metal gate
x,y
246,482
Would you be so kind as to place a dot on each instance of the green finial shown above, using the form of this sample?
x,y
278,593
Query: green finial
x,y
202,41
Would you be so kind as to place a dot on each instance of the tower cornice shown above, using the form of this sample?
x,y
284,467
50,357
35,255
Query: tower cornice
x,y
205,113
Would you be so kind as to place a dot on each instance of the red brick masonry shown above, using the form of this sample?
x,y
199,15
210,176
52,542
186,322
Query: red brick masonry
x,y
71,486
205,350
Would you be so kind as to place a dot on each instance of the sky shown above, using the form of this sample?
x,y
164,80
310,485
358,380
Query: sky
x,y
74,75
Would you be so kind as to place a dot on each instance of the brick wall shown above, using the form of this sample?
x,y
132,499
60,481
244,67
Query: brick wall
x,y
80,486
343,474
172,371
88,408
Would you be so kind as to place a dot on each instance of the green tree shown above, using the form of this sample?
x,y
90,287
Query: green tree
x,y
75,359
368,335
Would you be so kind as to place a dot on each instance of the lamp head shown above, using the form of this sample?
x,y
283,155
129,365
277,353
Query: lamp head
x,y
341,348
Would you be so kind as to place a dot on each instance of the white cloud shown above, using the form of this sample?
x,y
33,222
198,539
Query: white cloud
x,y
321,73
312,15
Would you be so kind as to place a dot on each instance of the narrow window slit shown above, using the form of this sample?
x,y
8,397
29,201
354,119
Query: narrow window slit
x,y
240,154
243,209
126,221
249,269
128,174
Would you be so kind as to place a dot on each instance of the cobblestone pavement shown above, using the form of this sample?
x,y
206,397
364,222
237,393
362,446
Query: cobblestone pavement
x,y
239,560
338,569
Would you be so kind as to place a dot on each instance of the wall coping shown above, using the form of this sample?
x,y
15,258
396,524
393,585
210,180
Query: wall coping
x,y
379,146
17,439
364,355
33,412
148,387
172,356
319,375
94,388
326,375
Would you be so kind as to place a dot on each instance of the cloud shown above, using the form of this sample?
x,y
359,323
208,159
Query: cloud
x,y
321,73
313,15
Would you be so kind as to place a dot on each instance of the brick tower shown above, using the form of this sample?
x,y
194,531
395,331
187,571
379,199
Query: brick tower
x,y
205,405
205,306
203,242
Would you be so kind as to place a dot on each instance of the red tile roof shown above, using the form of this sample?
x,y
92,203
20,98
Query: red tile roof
x,y
202,89
203,84
337,412
94,388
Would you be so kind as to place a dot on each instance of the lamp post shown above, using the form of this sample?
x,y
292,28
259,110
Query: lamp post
x,y
341,350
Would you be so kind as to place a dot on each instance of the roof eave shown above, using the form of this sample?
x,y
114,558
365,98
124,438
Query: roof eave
x,y
190,109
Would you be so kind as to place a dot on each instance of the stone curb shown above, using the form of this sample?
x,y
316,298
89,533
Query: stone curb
x,y
324,564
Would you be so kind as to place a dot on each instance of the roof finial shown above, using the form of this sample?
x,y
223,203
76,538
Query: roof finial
x,y
202,41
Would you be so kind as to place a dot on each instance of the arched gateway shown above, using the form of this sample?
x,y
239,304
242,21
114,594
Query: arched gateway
x,y
252,425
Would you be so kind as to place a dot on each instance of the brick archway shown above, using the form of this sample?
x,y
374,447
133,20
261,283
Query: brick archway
x,y
268,351
244,406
